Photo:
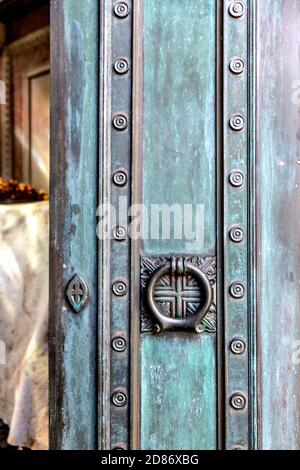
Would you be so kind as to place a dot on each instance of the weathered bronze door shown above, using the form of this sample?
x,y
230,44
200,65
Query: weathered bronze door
x,y
171,134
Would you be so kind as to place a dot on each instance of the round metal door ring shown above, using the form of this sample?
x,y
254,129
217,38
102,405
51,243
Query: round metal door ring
x,y
180,267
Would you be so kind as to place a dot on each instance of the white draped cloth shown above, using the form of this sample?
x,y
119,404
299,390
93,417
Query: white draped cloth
x,y
24,322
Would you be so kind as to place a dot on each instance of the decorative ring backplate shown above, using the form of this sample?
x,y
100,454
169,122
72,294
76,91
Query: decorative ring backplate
x,y
179,293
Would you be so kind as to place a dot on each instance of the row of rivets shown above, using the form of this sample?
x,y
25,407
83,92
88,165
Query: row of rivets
x,y
120,122
237,178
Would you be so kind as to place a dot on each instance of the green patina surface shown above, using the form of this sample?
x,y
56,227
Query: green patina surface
x,y
178,392
278,183
179,163
73,396
178,386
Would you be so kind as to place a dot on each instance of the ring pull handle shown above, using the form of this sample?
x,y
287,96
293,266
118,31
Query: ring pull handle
x,y
179,296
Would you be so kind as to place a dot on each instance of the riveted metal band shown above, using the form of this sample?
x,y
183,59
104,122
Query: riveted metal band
x,y
115,172
121,86
237,23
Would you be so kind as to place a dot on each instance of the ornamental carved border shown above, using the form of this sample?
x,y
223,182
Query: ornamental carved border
x,y
150,264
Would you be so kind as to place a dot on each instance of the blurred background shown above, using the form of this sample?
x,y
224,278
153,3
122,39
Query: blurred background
x,y
24,214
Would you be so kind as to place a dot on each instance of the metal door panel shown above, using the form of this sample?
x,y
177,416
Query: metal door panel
x,y
167,89
73,249
178,370
278,185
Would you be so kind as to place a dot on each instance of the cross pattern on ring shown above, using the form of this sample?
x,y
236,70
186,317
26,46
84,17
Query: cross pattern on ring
x,y
182,293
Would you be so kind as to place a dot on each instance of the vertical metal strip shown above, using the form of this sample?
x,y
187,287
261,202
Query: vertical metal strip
x,y
252,258
137,100
104,306
121,122
237,234
220,224
119,369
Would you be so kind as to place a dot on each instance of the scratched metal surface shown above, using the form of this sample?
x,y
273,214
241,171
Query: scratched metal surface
x,y
74,30
278,184
178,386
